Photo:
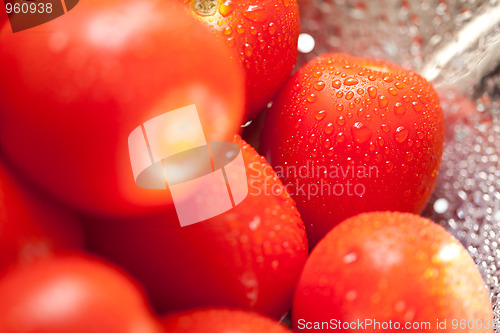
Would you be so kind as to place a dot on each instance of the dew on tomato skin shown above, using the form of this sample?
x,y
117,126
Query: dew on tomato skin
x,y
398,85
380,141
340,94
392,91
227,31
298,123
372,78
386,128
388,79
272,28
360,132
416,106
230,41
360,91
320,115
401,134
399,108
361,112
341,121
340,137
349,95
350,258
248,50
329,128
318,73
350,81
389,166
327,143
240,29
404,168
255,13
319,85
311,98
226,8
351,105
382,101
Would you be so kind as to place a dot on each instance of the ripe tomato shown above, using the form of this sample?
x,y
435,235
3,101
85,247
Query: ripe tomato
x,y
220,321
31,227
263,35
349,135
73,89
391,267
72,294
248,257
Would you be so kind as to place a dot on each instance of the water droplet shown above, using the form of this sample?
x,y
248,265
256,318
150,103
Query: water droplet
x,y
388,166
350,258
340,107
227,31
398,108
311,98
401,134
255,13
360,91
327,143
349,95
240,29
398,85
298,123
372,92
372,78
319,85
340,137
388,79
341,121
248,50
329,128
350,81
386,128
416,106
392,91
336,84
381,141
382,101
226,8
320,115
272,28
340,94
360,132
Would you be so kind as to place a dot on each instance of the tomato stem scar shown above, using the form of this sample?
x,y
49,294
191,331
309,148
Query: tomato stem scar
x,y
205,7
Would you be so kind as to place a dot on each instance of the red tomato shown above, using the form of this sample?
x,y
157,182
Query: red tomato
x,y
30,227
349,135
72,294
220,321
73,89
394,268
248,257
263,35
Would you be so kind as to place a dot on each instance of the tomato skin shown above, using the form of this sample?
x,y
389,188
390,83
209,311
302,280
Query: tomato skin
x,y
379,136
390,266
31,226
73,90
248,257
263,35
72,293
219,320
